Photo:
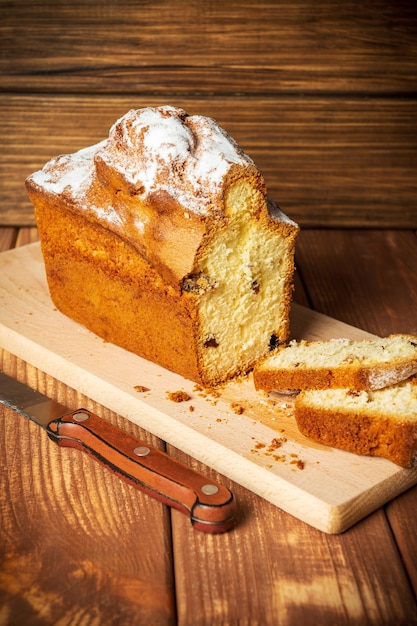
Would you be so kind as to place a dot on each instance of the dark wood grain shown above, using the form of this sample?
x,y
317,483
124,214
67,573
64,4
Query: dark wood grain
x,y
321,95
209,47
77,545
399,512
8,238
291,573
350,165
365,278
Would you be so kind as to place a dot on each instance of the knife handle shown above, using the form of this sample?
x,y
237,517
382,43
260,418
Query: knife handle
x,y
211,506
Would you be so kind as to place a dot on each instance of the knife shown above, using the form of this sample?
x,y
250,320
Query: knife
x,y
211,506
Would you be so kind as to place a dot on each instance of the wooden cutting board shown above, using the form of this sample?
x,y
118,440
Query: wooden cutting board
x,y
246,435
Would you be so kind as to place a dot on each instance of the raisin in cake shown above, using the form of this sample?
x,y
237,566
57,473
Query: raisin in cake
x,y
161,239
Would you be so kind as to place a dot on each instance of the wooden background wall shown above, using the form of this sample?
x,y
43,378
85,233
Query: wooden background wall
x,y
321,94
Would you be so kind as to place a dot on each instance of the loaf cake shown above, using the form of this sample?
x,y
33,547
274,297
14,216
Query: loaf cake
x,y
377,423
366,364
161,239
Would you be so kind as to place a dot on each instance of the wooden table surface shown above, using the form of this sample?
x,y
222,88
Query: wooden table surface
x,y
323,96
78,546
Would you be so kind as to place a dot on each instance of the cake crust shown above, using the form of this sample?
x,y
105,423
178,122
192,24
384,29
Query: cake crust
x,y
362,365
365,429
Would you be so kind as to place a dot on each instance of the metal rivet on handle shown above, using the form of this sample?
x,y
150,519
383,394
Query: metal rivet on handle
x,y
141,451
80,416
209,490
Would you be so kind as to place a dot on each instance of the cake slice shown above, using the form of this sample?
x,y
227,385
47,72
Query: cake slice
x,y
377,423
162,239
366,364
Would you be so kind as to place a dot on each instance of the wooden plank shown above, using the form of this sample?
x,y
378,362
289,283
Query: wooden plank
x,y
242,446
76,541
8,238
26,236
352,164
209,47
290,574
362,277
399,512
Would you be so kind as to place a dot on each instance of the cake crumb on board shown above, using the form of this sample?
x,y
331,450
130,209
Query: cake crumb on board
x,y
141,388
270,451
178,396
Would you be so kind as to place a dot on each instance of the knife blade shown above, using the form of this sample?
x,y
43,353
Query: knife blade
x,y
211,506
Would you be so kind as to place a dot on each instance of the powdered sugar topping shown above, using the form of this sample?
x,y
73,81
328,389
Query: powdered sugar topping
x,y
150,150
71,172
165,149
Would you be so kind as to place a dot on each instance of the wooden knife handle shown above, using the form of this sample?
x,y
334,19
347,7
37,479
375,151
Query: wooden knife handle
x,y
211,506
